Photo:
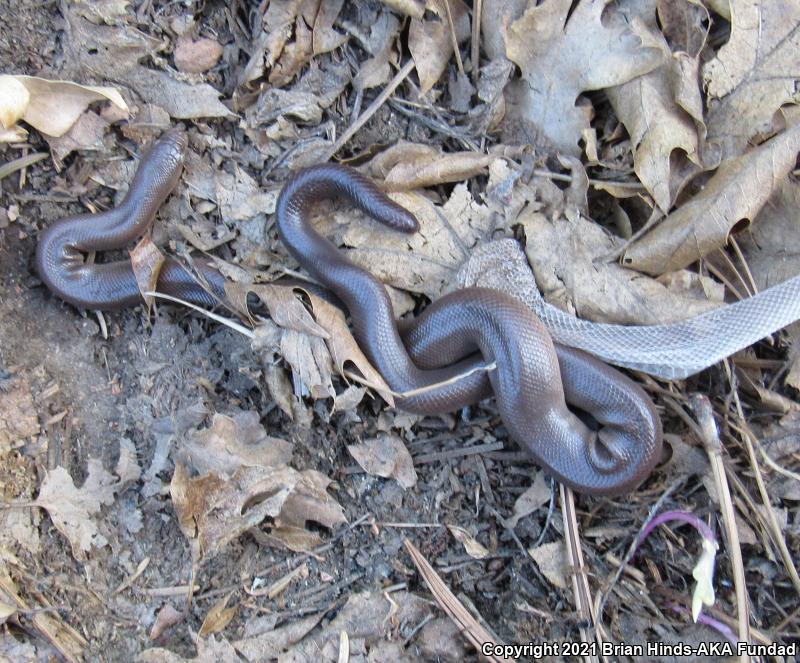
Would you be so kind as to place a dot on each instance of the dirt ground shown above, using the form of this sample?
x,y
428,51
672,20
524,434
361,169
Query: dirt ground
x,y
81,388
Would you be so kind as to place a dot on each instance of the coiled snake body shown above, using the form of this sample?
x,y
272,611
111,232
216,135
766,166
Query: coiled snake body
x,y
467,329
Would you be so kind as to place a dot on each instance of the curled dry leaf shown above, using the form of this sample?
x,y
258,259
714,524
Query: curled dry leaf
x,y
313,340
436,169
146,260
751,76
737,191
51,107
563,52
386,456
166,618
473,547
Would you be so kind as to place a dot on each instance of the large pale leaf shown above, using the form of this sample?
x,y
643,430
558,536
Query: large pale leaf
x,y
737,191
650,108
755,73
562,54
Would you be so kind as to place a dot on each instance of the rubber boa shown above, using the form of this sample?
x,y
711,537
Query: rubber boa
x,y
60,258
534,378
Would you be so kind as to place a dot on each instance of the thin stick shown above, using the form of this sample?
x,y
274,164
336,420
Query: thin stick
x,y
710,437
209,314
475,54
453,37
399,77
561,177
740,256
580,583
772,520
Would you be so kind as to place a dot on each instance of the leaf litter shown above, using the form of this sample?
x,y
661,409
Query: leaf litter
x,y
664,133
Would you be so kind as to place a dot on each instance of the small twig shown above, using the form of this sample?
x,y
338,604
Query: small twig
x,y
475,52
209,314
470,627
710,437
745,266
453,37
457,453
387,92
772,520
562,177
580,582
13,166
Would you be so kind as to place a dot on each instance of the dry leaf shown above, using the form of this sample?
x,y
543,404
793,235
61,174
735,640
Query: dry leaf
x,y
386,456
551,558
86,134
218,617
436,169
423,262
243,479
737,191
19,421
197,56
146,261
233,442
325,38
127,469
657,124
310,502
563,52
473,548
115,52
430,40
72,509
52,107
771,245
312,342
534,497
274,643
752,75
564,253
213,510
